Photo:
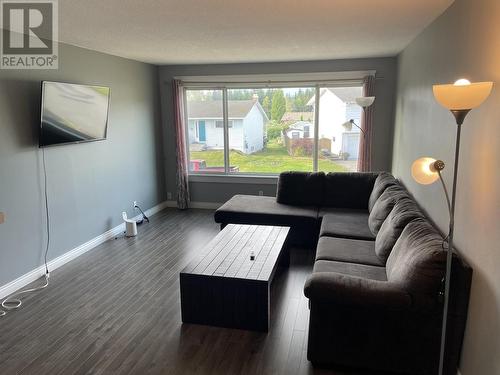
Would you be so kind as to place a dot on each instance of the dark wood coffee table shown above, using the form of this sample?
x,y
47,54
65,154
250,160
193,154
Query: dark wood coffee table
x,y
224,287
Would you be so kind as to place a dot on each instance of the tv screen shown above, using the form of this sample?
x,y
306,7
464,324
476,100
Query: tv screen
x,y
73,113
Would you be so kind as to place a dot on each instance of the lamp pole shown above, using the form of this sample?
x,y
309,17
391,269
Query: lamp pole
x,y
460,116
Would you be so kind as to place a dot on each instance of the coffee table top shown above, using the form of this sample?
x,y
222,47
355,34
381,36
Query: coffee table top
x,y
228,254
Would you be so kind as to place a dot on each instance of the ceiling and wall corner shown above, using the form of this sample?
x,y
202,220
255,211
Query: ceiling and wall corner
x,y
227,31
463,43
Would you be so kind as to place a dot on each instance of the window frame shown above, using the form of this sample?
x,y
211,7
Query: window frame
x,y
307,132
225,83
230,124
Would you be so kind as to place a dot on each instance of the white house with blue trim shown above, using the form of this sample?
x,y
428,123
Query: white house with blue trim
x,y
246,119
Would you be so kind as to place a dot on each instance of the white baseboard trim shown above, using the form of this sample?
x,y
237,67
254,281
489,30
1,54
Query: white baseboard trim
x,y
38,272
201,205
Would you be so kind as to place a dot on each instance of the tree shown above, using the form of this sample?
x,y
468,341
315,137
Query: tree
x,y
216,95
275,129
290,103
278,106
266,105
300,99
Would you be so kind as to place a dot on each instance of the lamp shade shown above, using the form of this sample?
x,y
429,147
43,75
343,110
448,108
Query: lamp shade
x,y
462,95
423,172
347,125
365,101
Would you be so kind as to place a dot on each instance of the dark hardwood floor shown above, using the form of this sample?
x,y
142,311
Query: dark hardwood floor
x,y
116,310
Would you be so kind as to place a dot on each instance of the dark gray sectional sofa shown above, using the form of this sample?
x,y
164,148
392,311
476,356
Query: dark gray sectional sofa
x,y
376,290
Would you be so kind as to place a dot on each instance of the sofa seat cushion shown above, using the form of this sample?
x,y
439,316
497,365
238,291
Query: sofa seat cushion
x,y
348,250
251,209
351,269
383,181
384,205
345,223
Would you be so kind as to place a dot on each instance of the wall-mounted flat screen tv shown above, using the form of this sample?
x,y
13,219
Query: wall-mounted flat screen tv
x,y
73,113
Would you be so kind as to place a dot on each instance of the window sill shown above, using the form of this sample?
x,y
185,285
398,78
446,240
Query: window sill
x,y
235,179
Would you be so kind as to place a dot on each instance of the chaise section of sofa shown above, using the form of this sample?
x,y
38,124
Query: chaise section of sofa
x,y
251,209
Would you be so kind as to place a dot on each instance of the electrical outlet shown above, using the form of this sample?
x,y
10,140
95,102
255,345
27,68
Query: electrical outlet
x,y
2,218
169,196
135,204
261,193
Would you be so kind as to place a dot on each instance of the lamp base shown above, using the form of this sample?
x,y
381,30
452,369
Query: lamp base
x,y
460,115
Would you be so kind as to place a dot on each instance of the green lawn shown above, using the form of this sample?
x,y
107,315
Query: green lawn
x,y
272,159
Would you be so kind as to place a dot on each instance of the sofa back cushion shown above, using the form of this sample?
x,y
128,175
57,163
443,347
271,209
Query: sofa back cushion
x,y
300,188
348,190
417,263
405,210
384,205
384,179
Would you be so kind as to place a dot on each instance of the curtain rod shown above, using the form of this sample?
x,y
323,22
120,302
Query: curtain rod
x,y
271,82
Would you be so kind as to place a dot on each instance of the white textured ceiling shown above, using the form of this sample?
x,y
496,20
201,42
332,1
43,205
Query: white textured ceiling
x,y
223,31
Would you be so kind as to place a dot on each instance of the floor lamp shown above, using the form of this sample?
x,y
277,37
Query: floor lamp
x,y
363,102
459,98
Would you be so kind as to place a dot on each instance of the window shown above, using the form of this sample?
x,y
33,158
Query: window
x,y
306,131
202,108
220,124
271,130
259,142
337,142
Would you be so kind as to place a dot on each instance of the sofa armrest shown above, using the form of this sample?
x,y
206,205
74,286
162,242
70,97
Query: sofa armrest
x,y
351,291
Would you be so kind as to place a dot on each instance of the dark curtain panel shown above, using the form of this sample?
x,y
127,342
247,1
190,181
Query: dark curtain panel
x,y
180,142
365,142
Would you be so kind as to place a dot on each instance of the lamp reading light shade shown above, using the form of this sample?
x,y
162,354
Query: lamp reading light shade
x,y
348,125
425,170
462,95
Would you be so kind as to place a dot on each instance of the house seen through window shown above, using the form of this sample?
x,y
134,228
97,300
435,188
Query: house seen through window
x,y
220,124
271,130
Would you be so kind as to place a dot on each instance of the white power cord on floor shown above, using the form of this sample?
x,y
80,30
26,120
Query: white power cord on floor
x,y
11,302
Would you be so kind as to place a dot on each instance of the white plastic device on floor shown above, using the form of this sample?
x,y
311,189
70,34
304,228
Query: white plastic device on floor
x,y
130,226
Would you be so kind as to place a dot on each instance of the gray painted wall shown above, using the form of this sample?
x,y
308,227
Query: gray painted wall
x,y
220,192
89,185
463,42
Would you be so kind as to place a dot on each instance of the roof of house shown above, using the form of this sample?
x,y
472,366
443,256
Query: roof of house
x,y
299,125
213,109
346,94
298,116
